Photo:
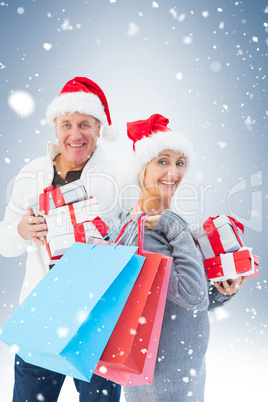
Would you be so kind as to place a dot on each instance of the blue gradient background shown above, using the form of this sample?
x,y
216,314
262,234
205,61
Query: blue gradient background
x,y
138,75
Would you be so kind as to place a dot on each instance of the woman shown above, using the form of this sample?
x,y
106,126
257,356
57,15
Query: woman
x,y
161,159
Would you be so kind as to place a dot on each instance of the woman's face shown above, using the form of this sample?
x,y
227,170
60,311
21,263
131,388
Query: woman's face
x,y
164,173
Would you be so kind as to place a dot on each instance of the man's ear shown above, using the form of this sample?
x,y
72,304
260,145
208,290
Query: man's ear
x,y
98,133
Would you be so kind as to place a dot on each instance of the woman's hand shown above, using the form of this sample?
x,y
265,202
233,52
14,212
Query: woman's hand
x,y
228,289
151,219
32,227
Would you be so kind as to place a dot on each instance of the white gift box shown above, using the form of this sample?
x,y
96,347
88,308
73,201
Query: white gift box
x,y
61,217
71,192
229,240
58,241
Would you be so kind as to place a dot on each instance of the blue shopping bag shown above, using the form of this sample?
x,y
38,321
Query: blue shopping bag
x,y
66,321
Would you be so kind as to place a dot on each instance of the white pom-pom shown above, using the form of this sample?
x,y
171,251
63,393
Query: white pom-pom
x,y
110,133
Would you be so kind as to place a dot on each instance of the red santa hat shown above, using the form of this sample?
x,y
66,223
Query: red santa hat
x,y
152,136
86,97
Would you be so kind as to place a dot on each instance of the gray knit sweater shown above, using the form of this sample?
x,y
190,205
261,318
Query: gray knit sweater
x,y
180,366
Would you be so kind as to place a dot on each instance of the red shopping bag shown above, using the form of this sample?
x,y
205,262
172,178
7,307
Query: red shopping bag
x,y
130,353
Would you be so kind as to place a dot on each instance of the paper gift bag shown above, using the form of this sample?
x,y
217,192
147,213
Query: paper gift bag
x,y
128,348
219,235
154,309
232,265
66,321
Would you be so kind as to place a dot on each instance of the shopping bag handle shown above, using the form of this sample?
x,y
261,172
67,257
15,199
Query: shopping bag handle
x,y
141,221
126,225
113,233
131,228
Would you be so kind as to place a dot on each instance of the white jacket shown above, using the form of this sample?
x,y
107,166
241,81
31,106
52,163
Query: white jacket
x,y
102,178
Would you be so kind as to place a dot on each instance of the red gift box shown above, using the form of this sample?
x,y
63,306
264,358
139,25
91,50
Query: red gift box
x,y
232,265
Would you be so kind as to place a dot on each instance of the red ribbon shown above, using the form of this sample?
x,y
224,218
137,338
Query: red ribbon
x,y
214,237
79,230
141,222
49,252
235,224
56,195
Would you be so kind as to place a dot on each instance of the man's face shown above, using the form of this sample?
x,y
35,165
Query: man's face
x,y
77,136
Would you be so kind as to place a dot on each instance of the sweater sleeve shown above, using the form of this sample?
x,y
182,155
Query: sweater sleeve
x,y
216,299
188,283
11,243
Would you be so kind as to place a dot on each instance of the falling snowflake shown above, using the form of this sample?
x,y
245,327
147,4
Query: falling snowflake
x,y
187,40
222,144
40,397
205,14
22,103
181,17
66,25
62,332
15,348
142,320
133,29
103,369
47,46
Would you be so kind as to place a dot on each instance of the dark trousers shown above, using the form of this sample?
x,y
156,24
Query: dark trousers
x,y
33,383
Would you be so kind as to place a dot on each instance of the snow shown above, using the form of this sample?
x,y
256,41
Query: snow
x,y
40,397
142,320
133,29
20,10
22,103
205,14
179,76
62,332
187,40
47,46
214,90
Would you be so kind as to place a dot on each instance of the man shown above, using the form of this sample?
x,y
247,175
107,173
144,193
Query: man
x,y
80,115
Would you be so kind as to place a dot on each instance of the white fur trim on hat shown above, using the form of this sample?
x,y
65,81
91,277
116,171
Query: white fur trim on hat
x,y
82,102
150,147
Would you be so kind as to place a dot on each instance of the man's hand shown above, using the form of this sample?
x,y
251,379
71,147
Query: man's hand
x,y
228,289
32,227
151,219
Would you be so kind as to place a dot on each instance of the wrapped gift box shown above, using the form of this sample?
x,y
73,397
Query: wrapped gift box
x,y
53,197
65,217
218,236
58,241
232,265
